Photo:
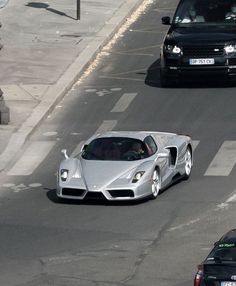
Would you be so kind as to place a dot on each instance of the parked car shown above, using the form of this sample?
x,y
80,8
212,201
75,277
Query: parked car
x,y
201,42
125,166
219,267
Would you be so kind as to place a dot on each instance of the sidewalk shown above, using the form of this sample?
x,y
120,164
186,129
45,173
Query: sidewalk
x,y
45,51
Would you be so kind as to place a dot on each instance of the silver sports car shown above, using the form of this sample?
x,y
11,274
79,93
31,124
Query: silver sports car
x,y
125,165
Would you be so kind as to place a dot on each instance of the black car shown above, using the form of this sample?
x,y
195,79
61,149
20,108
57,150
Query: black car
x,y
219,268
201,41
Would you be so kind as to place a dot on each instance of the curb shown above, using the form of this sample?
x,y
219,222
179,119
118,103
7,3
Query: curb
x,y
56,92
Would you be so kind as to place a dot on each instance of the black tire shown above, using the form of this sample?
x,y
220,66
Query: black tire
x,y
156,184
188,163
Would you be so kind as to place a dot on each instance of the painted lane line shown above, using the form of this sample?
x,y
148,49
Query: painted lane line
x,y
107,125
31,158
184,224
224,160
124,102
232,198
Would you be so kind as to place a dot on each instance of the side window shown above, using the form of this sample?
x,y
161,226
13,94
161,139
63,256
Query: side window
x,y
151,145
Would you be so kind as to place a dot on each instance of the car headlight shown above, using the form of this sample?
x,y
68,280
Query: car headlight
x,y
230,49
172,49
137,176
64,174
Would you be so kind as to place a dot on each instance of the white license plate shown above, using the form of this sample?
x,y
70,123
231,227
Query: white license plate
x,y
201,61
228,283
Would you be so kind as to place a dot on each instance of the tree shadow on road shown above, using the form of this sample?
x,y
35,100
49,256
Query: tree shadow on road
x,y
45,6
153,79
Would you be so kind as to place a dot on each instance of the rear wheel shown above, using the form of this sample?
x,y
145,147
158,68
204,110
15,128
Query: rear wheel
x,y
188,163
156,184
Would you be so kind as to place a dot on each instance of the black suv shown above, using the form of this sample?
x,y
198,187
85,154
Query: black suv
x,y
219,268
201,41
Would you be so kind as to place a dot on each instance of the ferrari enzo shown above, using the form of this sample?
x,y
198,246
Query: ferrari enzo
x,y
125,166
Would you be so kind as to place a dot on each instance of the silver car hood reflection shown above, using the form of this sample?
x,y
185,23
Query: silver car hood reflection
x,y
102,173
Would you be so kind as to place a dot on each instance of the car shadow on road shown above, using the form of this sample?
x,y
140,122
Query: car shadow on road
x,y
45,6
153,79
51,195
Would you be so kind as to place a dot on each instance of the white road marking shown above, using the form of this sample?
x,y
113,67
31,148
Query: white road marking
x,y
195,144
184,224
91,90
107,125
225,205
116,89
103,92
50,133
32,157
35,185
124,102
224,160
8,185
21,187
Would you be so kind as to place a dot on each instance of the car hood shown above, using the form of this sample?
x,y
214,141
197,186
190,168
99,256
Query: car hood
x,y
97,174
200,34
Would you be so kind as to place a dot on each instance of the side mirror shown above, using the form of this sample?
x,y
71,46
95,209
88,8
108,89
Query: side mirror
x,y
64,152
165,20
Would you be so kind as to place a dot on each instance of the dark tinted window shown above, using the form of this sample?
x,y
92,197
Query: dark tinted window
x,y
151,145
115,149
192,12
224,252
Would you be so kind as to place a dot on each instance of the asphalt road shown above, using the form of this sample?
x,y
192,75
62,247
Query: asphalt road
x,y
151,243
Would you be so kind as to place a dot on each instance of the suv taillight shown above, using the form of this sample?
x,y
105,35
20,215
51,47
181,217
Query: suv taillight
x,y
198,276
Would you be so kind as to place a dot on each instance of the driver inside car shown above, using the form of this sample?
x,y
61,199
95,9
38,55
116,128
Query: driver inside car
x,y
192,16
135,152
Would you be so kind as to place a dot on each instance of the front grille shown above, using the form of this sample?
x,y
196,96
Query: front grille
x,y
121,193
73,192
95,195
203,51
223,269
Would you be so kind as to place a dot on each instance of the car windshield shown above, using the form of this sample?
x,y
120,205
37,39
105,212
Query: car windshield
x,y
115,149
205,12
224,252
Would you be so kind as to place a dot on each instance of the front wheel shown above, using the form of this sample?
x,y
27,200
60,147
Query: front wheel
x,y
156,184
188,163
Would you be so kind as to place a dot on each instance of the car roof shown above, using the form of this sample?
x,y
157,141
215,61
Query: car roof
x,y
141,135
230,236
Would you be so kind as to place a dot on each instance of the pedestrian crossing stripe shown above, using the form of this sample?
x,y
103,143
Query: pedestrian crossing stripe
x,y
31,158
224,160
